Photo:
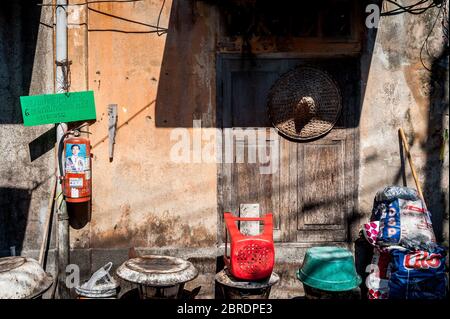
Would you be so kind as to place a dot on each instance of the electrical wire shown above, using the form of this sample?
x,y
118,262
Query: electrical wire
x,y
445,22
425,42
158,30
122,18
415,8
420,7
406,7
86,3
159,17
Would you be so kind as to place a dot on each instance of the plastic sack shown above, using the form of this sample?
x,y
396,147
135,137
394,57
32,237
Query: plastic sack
x,y
418,274
404,219
396,192
389,194
101,276
377,282
100,285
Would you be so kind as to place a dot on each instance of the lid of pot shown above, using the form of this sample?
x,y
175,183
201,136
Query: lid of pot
x,y
10,263
22,278
156,270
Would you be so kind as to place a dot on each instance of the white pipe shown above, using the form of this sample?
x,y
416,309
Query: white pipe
x,y
60,87
61,43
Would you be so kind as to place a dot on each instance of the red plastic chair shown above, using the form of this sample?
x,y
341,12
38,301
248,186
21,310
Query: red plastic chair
x,y
252,257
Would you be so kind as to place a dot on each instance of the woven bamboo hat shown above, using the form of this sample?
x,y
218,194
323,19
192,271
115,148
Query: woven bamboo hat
x,y
304,103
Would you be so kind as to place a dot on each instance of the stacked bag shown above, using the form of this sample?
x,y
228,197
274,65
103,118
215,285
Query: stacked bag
x,y
407,262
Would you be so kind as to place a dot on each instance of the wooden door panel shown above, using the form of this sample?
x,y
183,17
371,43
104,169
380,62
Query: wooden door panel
x,y
321,190
322,200
249,185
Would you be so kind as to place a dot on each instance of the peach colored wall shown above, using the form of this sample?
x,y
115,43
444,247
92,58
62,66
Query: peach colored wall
x,y
142,198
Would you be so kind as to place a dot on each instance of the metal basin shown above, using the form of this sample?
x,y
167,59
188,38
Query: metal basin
x,y
22,278
158,276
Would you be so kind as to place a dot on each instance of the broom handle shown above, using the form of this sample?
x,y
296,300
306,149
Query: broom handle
x,y
411,164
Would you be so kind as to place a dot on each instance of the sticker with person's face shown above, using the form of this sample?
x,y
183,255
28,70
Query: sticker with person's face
x,y
76,160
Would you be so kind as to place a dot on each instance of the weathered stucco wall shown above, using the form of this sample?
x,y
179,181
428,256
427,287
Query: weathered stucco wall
x,y
400,92
26,169
142,198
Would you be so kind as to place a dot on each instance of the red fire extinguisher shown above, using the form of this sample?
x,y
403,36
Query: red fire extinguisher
x,y
77,169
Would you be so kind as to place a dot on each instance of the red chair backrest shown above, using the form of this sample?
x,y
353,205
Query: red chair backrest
x,y
252,257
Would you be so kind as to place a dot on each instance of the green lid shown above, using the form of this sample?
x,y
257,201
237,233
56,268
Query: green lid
x,y
329,268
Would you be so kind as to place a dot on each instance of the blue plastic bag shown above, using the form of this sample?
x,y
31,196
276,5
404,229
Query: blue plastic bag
x,y
418,274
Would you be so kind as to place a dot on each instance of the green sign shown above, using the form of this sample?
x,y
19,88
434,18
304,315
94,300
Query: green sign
x,y
57,108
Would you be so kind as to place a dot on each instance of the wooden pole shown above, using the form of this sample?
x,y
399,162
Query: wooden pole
x,y
47,223
411,164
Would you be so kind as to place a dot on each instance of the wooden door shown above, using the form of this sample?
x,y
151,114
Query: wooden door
x,y
312,190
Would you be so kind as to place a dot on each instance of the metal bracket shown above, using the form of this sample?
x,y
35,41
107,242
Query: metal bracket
x,y
112,127
65,66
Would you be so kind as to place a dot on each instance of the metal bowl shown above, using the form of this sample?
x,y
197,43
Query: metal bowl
x,y
157,271
158,277
22,278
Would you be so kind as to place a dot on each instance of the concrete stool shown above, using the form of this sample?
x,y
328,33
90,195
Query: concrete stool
x,y
158,277
236,289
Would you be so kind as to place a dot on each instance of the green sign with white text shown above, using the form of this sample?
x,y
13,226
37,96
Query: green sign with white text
x,y
58,108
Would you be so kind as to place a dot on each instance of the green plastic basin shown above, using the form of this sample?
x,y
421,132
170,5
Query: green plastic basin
x,y
329,269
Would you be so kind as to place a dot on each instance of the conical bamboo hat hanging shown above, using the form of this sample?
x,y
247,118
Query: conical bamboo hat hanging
x,y
304,103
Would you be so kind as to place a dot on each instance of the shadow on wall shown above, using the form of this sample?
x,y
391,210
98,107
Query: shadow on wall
x,y
14,207
19,26
187,83
179,96
435,195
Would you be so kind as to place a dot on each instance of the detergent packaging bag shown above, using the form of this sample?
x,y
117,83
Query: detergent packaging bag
x,y
417,274
403,219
